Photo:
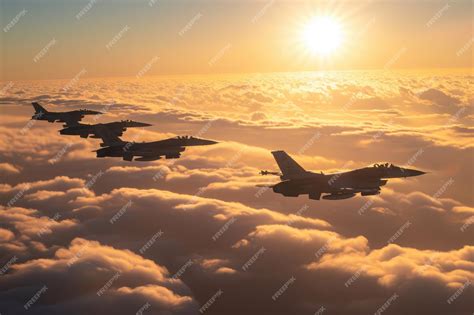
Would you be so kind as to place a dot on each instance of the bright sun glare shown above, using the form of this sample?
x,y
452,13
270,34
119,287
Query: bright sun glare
x,y
322,35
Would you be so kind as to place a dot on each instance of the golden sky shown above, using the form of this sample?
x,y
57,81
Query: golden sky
x,y
87,235
55,39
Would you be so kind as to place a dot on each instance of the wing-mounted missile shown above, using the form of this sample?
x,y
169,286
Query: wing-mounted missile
x,y
265,172
339,196
370,192
148,158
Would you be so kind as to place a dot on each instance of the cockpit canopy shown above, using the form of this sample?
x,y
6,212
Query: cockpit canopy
x,y
385,165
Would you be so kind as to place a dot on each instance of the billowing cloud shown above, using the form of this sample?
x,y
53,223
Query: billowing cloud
x,y
172,236
120,278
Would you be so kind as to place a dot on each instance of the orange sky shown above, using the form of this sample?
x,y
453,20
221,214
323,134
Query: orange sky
x,y
221,37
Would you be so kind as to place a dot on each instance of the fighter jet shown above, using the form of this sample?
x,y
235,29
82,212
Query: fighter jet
x,y
295,180
148,151
70,118
97,130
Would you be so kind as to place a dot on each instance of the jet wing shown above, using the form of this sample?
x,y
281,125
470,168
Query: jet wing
x,y
97,130
70,118
108,136
70,121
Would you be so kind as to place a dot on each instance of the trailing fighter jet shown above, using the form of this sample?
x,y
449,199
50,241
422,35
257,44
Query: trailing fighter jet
x,y
366,181
70,118
148,151
97,130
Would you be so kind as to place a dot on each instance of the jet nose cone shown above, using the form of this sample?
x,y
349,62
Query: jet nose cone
x,y
409,172
190,141
208,142
417,173
137,124
92,112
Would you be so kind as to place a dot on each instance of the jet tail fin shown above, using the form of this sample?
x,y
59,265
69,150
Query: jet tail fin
x,y
38,108
289,168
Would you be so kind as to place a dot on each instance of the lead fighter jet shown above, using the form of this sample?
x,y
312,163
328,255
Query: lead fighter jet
x,y
170,148
97,130
70,118
366,181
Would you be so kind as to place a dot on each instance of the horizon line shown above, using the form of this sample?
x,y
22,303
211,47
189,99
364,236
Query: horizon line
x,y
210,74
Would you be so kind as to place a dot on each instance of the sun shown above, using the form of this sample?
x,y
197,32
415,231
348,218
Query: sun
x,y
322,35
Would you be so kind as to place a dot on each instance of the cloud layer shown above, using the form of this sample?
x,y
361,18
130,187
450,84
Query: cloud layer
x,y
85,235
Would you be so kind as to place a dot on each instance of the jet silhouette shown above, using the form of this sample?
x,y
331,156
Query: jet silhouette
x,y
97,130
366,181
70,118
170,148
